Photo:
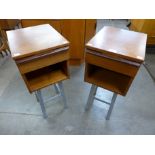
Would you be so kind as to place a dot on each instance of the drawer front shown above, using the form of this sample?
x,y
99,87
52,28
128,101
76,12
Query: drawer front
x,y
120,66
40,62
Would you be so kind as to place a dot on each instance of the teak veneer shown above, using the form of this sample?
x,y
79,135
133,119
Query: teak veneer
x,y
41,54
113,57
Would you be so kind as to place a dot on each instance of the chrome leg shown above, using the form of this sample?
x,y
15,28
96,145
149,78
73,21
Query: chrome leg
x,y
62,94
56,88
39,96
111,106
91,96
36,96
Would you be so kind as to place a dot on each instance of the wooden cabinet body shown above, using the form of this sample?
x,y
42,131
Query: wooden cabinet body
x,y
33,22
77,31
41,55
146,26
113,57
74,31
8,24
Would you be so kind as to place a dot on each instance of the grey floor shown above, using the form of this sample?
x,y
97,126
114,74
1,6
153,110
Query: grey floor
x,y
21,114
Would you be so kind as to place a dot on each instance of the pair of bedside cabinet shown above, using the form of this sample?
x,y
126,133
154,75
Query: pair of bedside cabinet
x,y
112,59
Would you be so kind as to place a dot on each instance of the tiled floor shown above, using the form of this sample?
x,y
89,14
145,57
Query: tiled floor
x,y
111,22
21,114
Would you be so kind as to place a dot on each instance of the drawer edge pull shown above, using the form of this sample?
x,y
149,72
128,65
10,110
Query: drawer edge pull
x,y
28,59
115,59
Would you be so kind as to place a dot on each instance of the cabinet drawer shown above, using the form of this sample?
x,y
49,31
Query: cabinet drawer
x,y
118,65
36,62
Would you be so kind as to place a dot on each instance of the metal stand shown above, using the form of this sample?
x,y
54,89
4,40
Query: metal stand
x,y
56,89
40,99
92,97
60,92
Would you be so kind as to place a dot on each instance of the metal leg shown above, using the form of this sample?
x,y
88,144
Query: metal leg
x,y
39,96
111,106
56,88
63,94
36,96
91,96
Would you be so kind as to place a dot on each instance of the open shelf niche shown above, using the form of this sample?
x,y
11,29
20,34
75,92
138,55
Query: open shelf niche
x,y
111,80
47,75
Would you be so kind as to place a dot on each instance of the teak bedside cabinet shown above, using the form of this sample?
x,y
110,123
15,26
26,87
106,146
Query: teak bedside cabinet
x,y
41,54
113,57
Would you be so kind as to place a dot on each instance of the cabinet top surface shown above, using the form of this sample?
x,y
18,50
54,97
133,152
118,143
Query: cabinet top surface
x,y
121,43
33,40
